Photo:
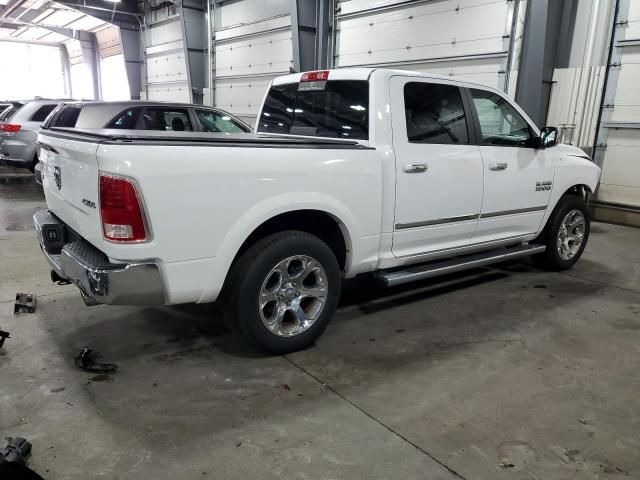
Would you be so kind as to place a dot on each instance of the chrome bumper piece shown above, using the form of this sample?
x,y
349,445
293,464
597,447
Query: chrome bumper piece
x,y
99,280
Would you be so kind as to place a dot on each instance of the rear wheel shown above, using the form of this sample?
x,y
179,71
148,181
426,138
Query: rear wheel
x,y
283,291
565,234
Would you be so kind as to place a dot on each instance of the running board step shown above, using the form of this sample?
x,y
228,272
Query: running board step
x,y
442,267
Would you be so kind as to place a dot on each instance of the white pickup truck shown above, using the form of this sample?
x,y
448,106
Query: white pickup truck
x,y
398,174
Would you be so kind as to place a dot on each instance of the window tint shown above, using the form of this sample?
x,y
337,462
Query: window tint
x,y
167,119
337,109
217,122
125,120
42,113
434,113
500,122
66,116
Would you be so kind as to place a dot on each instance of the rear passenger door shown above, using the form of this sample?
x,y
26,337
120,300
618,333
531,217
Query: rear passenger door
x,y
517,176
438,166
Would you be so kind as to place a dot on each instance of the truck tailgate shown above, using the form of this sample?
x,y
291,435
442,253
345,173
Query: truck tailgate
x,y
70,182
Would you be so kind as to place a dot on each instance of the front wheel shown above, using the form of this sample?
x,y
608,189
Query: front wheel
x,y
283,291
565,234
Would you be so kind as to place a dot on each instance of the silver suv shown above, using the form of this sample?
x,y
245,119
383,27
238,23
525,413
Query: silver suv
x,y
19,124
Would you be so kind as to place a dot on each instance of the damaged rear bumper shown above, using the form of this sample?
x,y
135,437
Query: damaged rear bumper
x,y
99,280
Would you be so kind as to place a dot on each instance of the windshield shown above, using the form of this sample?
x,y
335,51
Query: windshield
x,y
334,108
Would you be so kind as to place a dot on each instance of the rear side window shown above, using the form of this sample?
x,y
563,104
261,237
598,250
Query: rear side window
x,y
42,113
126,120
166,119
65,117
434,113
339,110
218,122
9,112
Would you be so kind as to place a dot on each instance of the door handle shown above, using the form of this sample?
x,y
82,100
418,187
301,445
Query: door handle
x,y
415,167
498,166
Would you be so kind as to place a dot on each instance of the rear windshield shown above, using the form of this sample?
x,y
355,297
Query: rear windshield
x,y
339,109
65,116
10,111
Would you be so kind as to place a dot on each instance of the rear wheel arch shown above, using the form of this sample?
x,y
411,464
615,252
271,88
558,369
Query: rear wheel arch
x,y
326,226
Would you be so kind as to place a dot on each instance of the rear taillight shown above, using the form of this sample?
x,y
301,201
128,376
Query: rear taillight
x,y
123,217
10,128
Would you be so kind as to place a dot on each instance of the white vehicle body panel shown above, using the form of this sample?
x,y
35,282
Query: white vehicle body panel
x,y
204,200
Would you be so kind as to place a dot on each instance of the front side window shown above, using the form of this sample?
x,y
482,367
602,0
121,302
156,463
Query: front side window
x,y
332,108
500,122
434,113
166,119
218,122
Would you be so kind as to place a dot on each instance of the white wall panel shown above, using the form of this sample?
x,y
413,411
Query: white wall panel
x,y
627,100
249,11
166,68
164,33
483,70
620,181
403,35
257,54
424,31
170,93
253,44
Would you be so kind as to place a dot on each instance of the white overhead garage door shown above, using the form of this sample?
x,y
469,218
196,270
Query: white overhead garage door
x,y
252,46
620,182
463,38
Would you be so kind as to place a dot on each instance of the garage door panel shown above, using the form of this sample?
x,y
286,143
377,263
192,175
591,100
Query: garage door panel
x,y
623,162
483,70
167,68
262,54
431,30
241,96
627,99
633,27
619,194
178,92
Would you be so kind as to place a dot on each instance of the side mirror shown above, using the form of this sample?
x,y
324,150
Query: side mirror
x,y
548,137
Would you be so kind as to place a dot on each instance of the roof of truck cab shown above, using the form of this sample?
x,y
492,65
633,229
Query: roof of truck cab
x,y
364,73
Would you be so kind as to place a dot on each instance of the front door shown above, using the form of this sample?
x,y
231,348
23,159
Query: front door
x,y
517,177
438,167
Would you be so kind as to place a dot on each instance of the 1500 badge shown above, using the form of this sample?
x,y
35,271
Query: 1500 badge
x,y
88,203
543,186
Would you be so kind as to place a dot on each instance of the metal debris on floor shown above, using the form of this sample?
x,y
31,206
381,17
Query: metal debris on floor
x,y
25,302
3,336
86,361
13,460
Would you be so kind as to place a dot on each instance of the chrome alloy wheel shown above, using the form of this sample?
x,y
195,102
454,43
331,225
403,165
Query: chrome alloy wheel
x,y
571,234
293,295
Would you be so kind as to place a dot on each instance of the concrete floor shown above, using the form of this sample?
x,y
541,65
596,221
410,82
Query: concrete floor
x,y
499,373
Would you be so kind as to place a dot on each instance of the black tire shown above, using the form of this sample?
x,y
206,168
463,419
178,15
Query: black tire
x,y
239,298
550,259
